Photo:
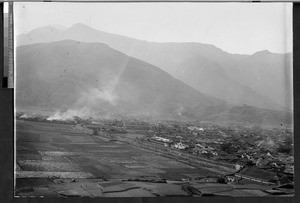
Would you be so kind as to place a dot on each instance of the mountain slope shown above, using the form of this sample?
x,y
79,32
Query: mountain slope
x,y
209,78
269,74
252,115
170,57
74,75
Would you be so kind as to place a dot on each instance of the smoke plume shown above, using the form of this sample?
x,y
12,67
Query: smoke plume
x,y
70,114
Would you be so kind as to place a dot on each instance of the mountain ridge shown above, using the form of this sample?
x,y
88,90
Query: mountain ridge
x,y
169,56
82,25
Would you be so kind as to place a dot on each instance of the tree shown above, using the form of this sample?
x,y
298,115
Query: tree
x,y
286,146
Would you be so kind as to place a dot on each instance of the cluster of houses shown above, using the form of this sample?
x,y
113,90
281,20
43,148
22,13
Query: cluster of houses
x,y
166,140
254,174
252,165
194,130
204,149
169,143
196,148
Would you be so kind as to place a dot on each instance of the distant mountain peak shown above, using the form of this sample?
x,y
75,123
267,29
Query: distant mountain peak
x,y
81,25
262,52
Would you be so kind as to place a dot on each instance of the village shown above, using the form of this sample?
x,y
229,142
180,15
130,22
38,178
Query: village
x,y
241,154
257,154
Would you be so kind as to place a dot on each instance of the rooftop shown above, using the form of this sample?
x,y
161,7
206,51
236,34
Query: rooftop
x,y
257,173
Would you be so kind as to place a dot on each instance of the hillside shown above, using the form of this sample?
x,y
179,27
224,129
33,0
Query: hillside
x,y
269,74
252,115
209,78
75,75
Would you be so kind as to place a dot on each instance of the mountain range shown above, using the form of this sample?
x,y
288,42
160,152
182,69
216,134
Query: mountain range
x,y
63,68
262,79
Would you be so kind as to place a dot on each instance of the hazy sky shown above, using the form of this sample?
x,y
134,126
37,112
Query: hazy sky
x,y
242,28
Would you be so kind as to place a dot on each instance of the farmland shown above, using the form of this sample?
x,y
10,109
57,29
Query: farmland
x,y
58,149
75,158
